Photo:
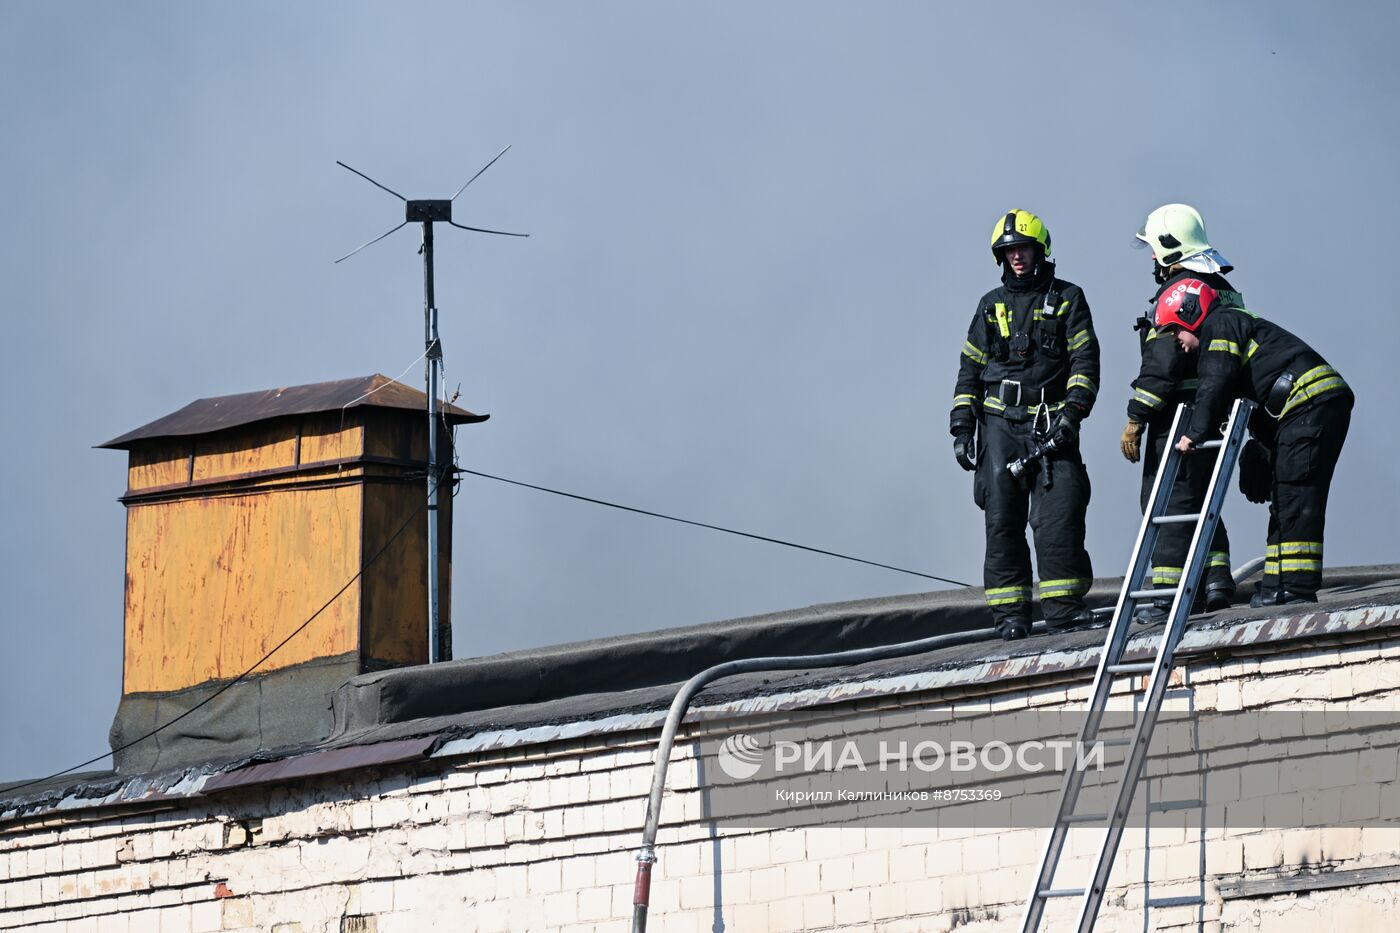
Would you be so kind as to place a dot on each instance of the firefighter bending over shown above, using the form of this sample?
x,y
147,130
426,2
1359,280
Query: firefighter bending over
x,y
1298,430
1028,376
1166,378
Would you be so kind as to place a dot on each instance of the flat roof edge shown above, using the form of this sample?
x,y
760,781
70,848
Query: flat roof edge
x,y
730,701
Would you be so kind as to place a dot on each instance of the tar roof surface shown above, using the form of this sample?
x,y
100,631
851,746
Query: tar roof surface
x,y
1357,603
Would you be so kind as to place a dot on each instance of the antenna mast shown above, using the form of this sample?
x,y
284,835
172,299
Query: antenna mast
x,y
427,212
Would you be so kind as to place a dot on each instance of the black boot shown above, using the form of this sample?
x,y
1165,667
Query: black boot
x,y
1080,621
1279,597
1220,589
1013,629
1153,613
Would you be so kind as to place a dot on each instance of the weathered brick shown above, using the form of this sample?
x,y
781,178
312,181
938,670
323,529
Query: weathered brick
x,y
980,853
887,901
851,907
751,851
1224,856
768,880
801,878
544,877
787,846
560,908
1380,840
785,914
577,873
1320,808
123,923
870,869
908,863
444,852
596,903
697,892
749,917
1263,850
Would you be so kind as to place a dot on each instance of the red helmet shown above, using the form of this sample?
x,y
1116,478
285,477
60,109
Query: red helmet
x,y
1185,304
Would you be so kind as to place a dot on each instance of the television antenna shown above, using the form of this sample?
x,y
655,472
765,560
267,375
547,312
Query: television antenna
x,y
428,212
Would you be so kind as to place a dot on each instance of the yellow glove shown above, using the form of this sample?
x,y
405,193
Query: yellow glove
x,y
1131,443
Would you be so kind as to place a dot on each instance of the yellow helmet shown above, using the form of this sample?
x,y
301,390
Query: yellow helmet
x,y
1018,226
1174,232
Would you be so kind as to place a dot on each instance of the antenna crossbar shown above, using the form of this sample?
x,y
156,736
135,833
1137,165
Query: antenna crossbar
x,y
428,211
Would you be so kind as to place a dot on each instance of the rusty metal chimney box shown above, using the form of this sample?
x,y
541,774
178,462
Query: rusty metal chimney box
x,y
245,515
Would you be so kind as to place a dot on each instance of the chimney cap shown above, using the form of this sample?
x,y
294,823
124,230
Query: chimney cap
x,y
207,415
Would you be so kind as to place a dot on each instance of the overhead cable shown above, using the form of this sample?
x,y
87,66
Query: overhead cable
x,y
731,531
395,536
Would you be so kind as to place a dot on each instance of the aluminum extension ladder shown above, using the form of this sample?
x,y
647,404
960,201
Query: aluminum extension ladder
x,y
1111,667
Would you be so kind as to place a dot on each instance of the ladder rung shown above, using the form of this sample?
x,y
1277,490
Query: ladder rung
x,y
1084,818
1131,762
1166,805
1176,519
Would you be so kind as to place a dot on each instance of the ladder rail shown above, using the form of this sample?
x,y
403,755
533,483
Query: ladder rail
x,y
1115,642
1110,662
1216,491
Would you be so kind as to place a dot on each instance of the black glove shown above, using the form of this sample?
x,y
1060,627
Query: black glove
x,y
963,450
1256,472
1065,431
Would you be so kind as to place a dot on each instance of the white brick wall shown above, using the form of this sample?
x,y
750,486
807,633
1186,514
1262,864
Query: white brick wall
x,y
542,838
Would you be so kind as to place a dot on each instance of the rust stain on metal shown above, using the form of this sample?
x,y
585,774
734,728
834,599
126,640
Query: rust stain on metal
x,y
208,415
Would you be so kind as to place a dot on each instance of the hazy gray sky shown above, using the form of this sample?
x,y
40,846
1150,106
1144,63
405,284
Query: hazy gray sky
x,y
758,234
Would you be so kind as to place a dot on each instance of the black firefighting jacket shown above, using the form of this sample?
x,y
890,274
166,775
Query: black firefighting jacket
x,y
1243,355
1167,376
1031,341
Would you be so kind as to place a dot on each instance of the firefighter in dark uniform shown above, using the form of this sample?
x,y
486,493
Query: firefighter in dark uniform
x,y
1167,378
1028,376
1298,430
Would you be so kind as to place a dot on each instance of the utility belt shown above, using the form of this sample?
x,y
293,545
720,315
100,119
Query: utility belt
x,y
1297,386
1014,393
1015,401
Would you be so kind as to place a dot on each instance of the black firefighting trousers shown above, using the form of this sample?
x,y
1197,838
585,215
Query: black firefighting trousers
x,y
1188,495
1305,452
1055,511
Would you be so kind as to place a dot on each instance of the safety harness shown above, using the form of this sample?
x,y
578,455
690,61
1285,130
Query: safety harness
x,y
1041,335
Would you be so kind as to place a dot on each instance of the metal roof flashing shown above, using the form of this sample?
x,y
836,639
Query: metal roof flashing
x,y
509,706
209,415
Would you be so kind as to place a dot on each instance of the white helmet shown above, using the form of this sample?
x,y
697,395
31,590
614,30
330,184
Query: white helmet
x,y
1177,234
